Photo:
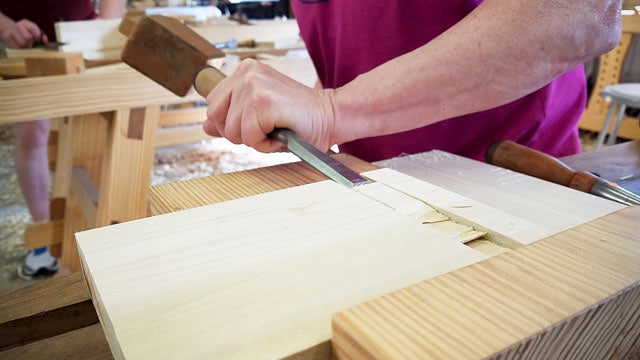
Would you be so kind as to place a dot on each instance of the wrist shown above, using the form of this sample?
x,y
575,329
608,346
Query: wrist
x,y
349,116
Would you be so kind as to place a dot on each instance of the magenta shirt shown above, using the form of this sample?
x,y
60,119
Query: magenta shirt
x,y
350,37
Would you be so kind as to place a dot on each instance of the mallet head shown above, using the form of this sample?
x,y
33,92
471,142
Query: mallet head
x,y
168,52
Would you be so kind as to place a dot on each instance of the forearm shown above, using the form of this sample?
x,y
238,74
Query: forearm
x,y
109,9
498,53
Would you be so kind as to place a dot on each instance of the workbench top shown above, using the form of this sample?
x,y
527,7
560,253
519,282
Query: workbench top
x,y
611,162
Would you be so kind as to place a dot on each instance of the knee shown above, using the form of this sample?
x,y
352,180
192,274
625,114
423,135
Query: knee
x,y
32,135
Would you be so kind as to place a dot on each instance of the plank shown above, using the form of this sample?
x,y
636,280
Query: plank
x,y
573,295
86,343
45,309
503,228
86,36
100,39
258,276
187,194
174,135
553,207
112,87
183,116
43,234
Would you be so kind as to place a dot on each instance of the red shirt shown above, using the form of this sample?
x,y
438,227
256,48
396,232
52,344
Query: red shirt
x,y
45,13
350,37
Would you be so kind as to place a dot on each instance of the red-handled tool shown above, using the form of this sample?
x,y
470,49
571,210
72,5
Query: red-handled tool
x,y
516,157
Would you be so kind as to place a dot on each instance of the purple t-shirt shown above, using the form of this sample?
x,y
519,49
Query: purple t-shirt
x,y
350,37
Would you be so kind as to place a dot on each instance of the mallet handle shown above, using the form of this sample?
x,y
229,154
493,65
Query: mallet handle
x,y
206,78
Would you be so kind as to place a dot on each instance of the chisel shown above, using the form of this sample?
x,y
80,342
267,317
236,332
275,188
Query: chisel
x,y
174,56
522,159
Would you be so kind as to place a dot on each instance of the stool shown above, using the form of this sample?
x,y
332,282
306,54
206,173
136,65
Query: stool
x,y
620,96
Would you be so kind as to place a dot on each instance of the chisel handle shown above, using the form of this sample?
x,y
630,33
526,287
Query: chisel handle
x,y
522,159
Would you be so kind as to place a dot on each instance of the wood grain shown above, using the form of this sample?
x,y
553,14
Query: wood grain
x,y
553,207
259,276
573,295
44,309
187,194
87,343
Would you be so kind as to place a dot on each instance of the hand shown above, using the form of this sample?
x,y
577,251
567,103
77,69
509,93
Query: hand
x,y
256,99
22,34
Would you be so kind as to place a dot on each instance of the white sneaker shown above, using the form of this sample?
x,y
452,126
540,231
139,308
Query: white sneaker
x,y
34,265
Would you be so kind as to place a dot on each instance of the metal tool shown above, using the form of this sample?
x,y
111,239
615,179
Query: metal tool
x,y
332,168
174,56
516,157
53,45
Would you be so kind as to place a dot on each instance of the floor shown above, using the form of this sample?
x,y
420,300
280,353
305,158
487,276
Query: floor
x,y
171,164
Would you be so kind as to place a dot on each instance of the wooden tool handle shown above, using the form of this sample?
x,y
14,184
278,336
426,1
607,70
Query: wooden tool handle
x,y
206,79
516,157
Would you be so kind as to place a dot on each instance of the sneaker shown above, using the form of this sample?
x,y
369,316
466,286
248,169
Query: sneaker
x,y
38,263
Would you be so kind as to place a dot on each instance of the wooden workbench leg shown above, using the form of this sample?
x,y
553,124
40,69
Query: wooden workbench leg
x,y
124,178
127,166
89,142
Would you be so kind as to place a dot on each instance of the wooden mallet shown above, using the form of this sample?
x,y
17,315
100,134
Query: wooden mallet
x,y
173,55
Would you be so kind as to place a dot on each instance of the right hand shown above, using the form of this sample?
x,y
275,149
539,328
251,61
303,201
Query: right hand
x,y
22,34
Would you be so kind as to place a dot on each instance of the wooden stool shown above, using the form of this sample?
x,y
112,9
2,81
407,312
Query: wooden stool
x,y
620,96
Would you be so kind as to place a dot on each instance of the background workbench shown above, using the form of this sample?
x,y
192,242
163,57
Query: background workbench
x,y
58,315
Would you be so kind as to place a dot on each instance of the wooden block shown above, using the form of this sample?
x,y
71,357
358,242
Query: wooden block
x,y
43,234
573,295
270,269
183,116
44,309
86,343
54,63
175,135
12,68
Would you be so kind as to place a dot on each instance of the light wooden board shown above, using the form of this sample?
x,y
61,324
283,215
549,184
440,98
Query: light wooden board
x,y
100,39
89,35
553,207
259,277
112,87
574,295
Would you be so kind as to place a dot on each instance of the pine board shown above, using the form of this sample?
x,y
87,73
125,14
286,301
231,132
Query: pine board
x,y
259,277
553,207
573,295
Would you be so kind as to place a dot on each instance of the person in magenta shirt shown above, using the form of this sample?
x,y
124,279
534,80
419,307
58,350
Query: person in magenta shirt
x,y
402,77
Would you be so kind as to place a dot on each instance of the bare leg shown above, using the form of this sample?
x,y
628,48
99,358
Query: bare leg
x,y
32,166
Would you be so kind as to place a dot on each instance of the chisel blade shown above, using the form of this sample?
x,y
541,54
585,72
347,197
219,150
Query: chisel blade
x,y
330,167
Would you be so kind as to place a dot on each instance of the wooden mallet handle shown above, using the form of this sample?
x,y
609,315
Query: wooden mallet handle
x,y
206,78
522,159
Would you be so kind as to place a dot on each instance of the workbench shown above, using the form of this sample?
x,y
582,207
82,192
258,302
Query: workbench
x,y
57,317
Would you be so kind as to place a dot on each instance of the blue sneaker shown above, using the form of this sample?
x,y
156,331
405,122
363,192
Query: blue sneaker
x,y
38,263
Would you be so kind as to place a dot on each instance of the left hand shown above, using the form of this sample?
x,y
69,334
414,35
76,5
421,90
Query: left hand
x,y
256,99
